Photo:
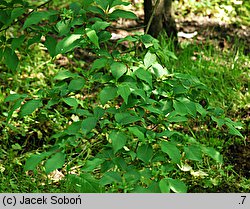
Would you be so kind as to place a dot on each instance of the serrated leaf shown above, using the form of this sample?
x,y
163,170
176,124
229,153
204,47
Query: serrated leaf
x,y
177,186
118,69
172,151
164,186
118,13
76,84
36,17
110,177
193,152
118,140
145,153
92,37
124,91
90,165
108,93
30,106
144,75
149,59
10,59
50,43
54,162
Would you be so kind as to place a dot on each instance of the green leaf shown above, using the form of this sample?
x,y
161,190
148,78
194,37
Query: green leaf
x,y
76,84
172,151
177,186
30,106
90,165
108,93
36,17
124,91
73,128
35,39
164,186
126,118
99,63
17,104
113,3
159,71
118,69
103,4
98,112
33,161
118,140
145,153
13,97
17,42
211,152
193,152
144,75
50,43
54,162
120,162
137,132
118,13
17,12
149,59
71,102
63,27
220,122
10,59
110,177
201,110
85,183
183,106
92,37
68,43
88,124
233,130
100,25
64,74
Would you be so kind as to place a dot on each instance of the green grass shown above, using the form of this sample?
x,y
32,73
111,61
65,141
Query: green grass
x,y
225,73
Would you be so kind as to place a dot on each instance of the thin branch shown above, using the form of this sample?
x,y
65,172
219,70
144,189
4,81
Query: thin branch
x,y
152,16
18,20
